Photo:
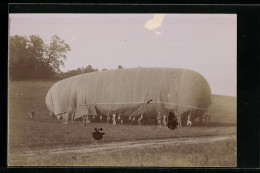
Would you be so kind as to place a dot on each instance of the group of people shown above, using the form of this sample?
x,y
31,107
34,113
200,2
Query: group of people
x,y
179,120
133,120
119,119
162,120
205,117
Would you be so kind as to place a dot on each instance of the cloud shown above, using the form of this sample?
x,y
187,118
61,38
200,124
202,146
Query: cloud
x,y
155,22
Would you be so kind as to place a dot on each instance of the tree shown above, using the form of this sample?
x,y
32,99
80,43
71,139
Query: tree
x,y
30,58
24,56
89,69
56,53
120,67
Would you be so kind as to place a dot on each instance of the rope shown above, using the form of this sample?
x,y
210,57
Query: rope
x,y
151,102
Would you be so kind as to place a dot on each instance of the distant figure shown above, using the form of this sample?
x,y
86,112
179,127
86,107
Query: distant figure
x,y
159,119
101,118
140,119
108,118
18,95
32,114
114,119
200,119
87,119
130,120
133,120
207,118
179,120
164,120
125,119
94,119
189,120
119,118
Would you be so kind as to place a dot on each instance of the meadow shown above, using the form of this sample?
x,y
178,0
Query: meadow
x,y
46,132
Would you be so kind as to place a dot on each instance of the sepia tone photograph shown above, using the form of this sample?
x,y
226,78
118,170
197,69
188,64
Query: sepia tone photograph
x,y
131,90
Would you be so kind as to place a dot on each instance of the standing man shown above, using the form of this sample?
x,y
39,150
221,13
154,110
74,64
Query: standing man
x,y
108,118
129,120
207,118
140,119
119,118
114,119
164,120
179,120
189,120
200,119
87,119
32,113
133,120
101,118
159,119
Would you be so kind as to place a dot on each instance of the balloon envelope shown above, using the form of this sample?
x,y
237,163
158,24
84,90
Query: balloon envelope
x,y
135,91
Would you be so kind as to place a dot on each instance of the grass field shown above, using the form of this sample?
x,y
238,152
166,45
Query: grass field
x,y
217,153
44,132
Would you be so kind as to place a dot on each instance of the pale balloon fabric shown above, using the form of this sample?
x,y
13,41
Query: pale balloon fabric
x,y
127,91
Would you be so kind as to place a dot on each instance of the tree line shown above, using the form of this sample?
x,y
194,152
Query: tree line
x,y
30,58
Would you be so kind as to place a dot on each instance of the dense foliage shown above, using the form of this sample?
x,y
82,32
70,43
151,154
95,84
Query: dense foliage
x,y
31,58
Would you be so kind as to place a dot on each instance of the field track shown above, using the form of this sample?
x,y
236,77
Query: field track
x,y
121,145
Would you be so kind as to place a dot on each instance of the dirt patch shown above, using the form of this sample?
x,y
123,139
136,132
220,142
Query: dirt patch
x,y
120,145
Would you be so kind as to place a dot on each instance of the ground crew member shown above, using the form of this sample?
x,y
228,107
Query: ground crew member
x,y
129,120
87,119
108,118
207,118
179,120
32,113
140,119
164,120
159,119
119,118
189,120
94,119
200,119
101,118
114,119
133,120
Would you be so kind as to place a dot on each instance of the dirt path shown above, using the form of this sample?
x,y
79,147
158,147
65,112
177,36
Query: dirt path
x,y
121,145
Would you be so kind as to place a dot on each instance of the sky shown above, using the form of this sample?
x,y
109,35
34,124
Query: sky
x,y
206,43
